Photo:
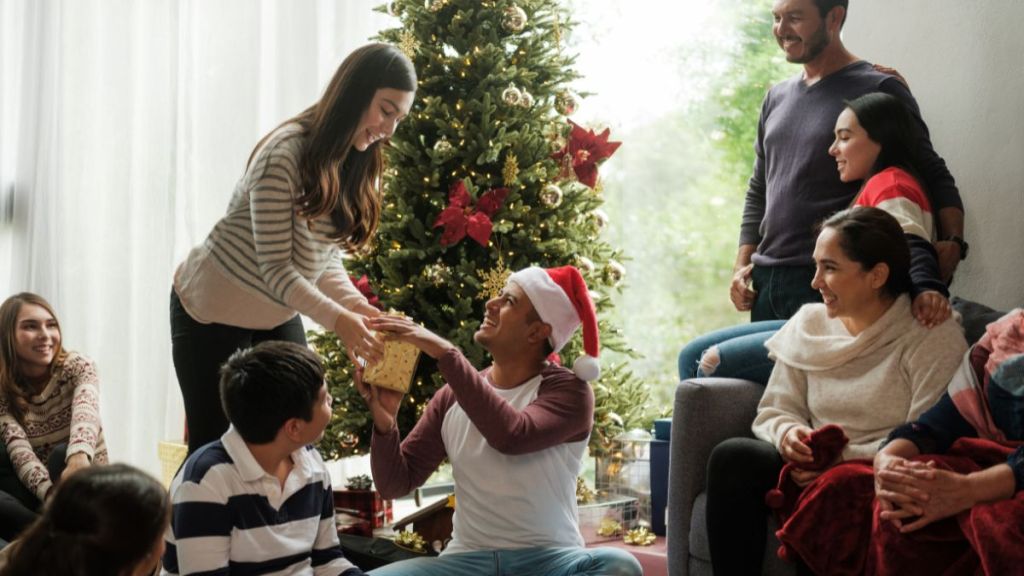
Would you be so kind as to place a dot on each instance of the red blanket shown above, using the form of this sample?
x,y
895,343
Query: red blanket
x,y
836,530
826,444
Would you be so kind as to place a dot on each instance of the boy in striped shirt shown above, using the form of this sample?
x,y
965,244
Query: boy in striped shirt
x,y
259,500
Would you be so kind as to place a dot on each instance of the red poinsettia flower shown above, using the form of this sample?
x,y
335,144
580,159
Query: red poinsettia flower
x,y
461,218
586,150
363,284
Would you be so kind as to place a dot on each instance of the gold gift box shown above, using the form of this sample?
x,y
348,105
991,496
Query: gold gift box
x,y
396,369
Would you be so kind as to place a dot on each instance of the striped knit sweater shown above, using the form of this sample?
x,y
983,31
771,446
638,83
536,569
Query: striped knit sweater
x,y
66,410
899,194
263,262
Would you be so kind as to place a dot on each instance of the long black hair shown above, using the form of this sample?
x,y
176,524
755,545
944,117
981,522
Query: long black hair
x,y
870,236
888,122
101,520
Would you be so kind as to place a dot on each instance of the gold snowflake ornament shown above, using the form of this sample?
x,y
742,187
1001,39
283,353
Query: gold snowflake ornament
x,y
408,43
493,280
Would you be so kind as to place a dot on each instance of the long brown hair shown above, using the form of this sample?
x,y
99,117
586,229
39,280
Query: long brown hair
x,y
13,389
337,179
101,520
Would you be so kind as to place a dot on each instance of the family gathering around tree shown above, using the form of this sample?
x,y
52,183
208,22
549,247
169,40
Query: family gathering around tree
x,y
437,213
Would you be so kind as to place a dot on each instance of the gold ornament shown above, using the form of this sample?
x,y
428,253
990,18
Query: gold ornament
x,y
566,103
513,19
584,495
411,541
510,172
639,537
436,273
408,43
586,265
558,143
493,280
551,196
435,5
512,95
443,147
527,101
609,527
615,272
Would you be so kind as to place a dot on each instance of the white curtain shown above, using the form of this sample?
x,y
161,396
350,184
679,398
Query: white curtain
x,y
123,128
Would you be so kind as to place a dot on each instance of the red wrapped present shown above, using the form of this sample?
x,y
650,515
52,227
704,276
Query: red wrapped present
x,y
364,505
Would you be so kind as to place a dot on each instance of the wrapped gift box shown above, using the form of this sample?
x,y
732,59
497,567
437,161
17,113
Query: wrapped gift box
x,y
362,506
396,369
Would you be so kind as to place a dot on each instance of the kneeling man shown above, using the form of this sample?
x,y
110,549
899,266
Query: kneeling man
x,y
515,434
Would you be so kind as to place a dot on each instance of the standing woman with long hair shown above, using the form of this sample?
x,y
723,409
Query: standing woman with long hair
x,y
49,410
310,191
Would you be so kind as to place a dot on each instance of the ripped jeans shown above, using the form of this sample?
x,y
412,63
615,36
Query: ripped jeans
x,y
735,352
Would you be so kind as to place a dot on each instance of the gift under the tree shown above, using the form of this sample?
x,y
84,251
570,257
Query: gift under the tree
x,y
361,510
396,369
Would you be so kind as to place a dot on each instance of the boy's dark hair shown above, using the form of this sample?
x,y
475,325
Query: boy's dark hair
x,y
263,387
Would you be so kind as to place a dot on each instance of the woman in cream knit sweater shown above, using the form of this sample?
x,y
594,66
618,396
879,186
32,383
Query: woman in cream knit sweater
x,y
859,360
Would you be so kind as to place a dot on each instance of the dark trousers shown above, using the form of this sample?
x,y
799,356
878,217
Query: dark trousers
x,y
781,291
19,506
199,350
740,472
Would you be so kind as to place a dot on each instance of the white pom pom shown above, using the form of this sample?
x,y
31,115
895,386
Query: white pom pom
x,y
587,368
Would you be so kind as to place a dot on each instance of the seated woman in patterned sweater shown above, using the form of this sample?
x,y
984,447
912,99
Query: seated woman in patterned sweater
x,y
49,410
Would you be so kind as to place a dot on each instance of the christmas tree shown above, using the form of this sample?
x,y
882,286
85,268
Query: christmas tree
x,y
487,175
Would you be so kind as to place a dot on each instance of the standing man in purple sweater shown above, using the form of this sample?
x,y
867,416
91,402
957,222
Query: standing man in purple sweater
x,y
515,434
795,183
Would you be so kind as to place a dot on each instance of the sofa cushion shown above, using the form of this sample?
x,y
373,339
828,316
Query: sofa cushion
x,y
975,317
699,528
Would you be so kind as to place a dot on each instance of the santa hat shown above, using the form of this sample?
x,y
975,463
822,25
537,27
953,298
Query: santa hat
x,y
560,297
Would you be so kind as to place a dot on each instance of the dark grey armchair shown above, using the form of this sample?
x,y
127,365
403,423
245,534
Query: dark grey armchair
x,y
707,411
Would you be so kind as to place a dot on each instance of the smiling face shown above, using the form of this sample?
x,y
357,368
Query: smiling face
x,y
799,29
850,292
855,152
36,339
388,107
510,322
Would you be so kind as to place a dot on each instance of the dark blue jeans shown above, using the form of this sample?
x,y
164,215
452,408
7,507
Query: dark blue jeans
x,y
781,291
199,350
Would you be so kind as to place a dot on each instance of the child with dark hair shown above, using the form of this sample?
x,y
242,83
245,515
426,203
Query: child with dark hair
x,y
102,520
259,499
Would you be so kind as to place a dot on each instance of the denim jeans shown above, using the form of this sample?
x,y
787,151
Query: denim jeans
x,y
781,291
524,562
198,351
741,352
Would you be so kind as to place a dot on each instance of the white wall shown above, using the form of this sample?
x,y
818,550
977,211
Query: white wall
x,y
963,63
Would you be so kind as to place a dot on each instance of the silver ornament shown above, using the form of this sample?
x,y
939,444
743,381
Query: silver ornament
x,y
527,101
566,103
513,19
615,272
586,265
600,219
512,95
551,196
443,147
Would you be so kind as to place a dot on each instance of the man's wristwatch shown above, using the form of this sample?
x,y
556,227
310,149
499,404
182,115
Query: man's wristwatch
x,y
961,243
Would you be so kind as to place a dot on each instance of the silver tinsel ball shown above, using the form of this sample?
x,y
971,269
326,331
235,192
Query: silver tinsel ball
x,y
566,103
600,219
615,272
513,19
551,196
443,147
436,273
527,101
512,95
586,265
